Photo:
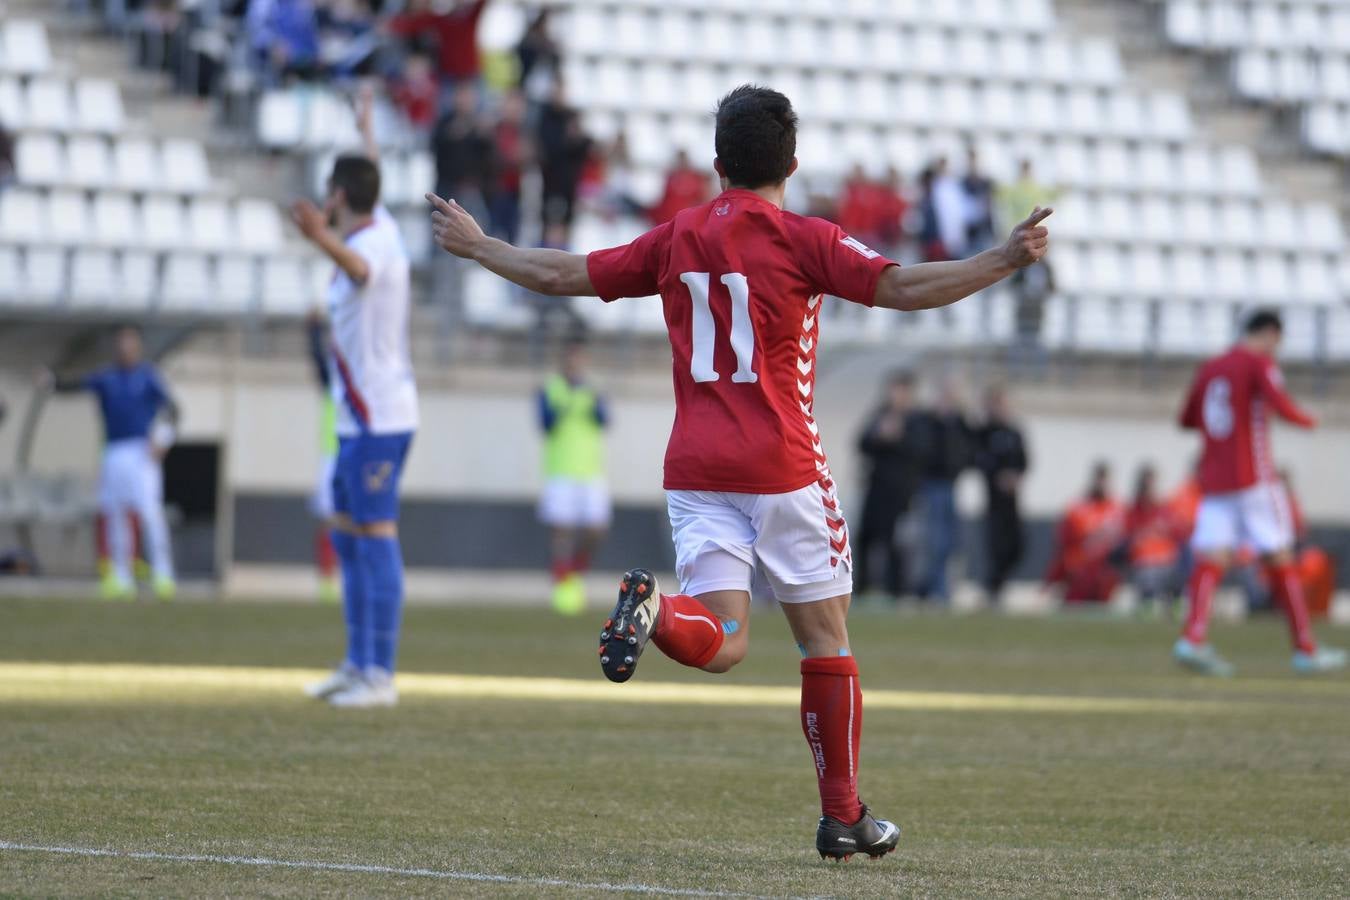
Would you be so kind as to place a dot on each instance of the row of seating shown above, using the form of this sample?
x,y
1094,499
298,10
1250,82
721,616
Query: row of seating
x,y
1291,76
1141,271
57,104
1326,128
23,47
319,117
919,101
50,279
1005,15
838,45
174,165
1227,25
111,219
1267,225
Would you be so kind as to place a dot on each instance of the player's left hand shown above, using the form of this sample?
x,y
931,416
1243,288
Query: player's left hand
x,y
1029,240
308,218
453,229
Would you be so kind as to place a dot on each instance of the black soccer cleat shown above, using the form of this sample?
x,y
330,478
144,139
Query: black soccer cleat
x,y
870,835
630,626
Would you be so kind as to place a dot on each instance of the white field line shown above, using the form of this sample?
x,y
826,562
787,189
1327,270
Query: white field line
x,y
364,869
89,681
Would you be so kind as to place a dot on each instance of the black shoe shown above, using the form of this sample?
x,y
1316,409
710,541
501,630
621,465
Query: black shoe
x,y
630,626
870,835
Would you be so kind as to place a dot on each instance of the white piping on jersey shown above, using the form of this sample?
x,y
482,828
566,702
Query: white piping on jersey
x,y
709,622
806,363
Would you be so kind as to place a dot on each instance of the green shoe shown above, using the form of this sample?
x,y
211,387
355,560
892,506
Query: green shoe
x,y
110,587
165,588
330,591
569,596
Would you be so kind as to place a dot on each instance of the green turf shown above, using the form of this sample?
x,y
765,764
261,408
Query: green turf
x,y
1237,788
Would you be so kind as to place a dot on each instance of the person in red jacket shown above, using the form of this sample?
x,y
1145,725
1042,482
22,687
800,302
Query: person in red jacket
x,y
1244,503
455,33
686,186
1155,533
1092,530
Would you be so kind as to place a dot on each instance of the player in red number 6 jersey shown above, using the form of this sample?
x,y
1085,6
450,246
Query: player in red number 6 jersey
x,y
747,483
1245,503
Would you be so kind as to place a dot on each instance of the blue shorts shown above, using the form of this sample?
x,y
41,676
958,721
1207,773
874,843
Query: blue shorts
x,y
365,479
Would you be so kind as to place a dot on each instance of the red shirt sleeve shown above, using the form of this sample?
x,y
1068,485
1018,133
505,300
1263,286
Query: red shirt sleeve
x,y
838,264
1270,386
633,270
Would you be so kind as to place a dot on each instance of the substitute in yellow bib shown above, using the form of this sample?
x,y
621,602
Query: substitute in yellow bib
x,y
575,503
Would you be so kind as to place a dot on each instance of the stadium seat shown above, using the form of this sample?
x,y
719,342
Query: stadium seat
x,y
234,283
23,217
136,163
162,225
88,163
12,112
48,106
211,225
116,222
25,49
98,106
68,220
92,277
45,273
138,277
40,159
259,226
281,120
11,275
184,167
186,283
285,290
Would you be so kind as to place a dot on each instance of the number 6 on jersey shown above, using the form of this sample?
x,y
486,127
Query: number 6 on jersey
x,y
705,327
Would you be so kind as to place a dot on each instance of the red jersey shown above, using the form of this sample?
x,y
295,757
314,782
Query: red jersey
x,y
1228,403
455,32
741,283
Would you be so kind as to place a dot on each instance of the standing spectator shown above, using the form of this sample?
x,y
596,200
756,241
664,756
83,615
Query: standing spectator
x,y
1002,455
416,92
1154,535
575,502
1025,193
538,56
892,209
979,199
131,394
563,150
510,150
686,186
949,209
462,146
284,34
942,449
859,208
1089,535
456,35
888,448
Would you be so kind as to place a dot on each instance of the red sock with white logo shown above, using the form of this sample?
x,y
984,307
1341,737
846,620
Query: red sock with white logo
x,y
1288,590
687,631
1205,578
832,723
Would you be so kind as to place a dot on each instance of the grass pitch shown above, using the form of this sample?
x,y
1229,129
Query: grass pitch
x,y
1021,758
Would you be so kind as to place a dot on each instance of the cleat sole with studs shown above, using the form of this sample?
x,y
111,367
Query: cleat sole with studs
x,y
621,641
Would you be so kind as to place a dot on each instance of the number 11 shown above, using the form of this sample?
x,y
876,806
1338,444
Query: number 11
x,y
705,327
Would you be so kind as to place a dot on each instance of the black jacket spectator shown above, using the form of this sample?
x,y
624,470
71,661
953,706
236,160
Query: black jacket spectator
x,y
1002,458
892,478
942,444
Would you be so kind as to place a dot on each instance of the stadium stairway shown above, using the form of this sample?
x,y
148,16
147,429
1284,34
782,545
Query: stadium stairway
x,y
1148,58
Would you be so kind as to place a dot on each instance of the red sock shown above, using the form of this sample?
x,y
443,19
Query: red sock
x,y
1288,591
687,632
561,569
1205,579
581,562
832,723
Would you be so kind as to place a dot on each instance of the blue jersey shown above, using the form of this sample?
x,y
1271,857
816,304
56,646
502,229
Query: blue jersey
x,y
128,399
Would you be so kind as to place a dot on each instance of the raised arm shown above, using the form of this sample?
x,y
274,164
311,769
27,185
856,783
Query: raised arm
x,y
1272,389
552,272
365,122
931,285
312,224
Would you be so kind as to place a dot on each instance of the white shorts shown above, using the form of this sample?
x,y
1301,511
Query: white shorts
x,y
569,503
1257,517
130,478
796,542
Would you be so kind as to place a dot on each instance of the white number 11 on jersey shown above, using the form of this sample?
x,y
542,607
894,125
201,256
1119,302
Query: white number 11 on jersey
x,y
705,327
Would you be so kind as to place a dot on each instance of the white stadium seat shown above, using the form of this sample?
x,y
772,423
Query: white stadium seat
x,y
186,283
138,277
235,283
184,166
285,289
98,105
258,226
68,220
23,217
25,49
40,159
116,223
88,163
93,277
48,106
162,222
136,164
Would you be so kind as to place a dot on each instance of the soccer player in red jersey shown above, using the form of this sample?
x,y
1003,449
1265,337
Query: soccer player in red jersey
x,y
748,486
1243,502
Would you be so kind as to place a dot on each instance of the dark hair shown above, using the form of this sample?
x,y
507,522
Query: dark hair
x,y
756,136
902,378
1263,320
359,179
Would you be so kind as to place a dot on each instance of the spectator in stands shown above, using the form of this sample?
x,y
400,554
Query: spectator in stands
x,y
686,186
456,35
942,446
510,152
416,92
1031,288
1154,535
284,36
1011,198
1001,453
348,39
872,210
462,145
6,157
564,148
539,57
979,201
1090,534
618,198
892,475
949,211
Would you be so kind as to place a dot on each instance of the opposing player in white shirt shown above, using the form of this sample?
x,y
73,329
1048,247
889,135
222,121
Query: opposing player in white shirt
x,y
376,398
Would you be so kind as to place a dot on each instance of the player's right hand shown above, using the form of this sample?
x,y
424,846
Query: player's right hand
x,y
453,229
1029,241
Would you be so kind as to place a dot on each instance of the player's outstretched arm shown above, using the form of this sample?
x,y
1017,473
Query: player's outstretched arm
x,y
552,272
312,224
48,380
931,285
